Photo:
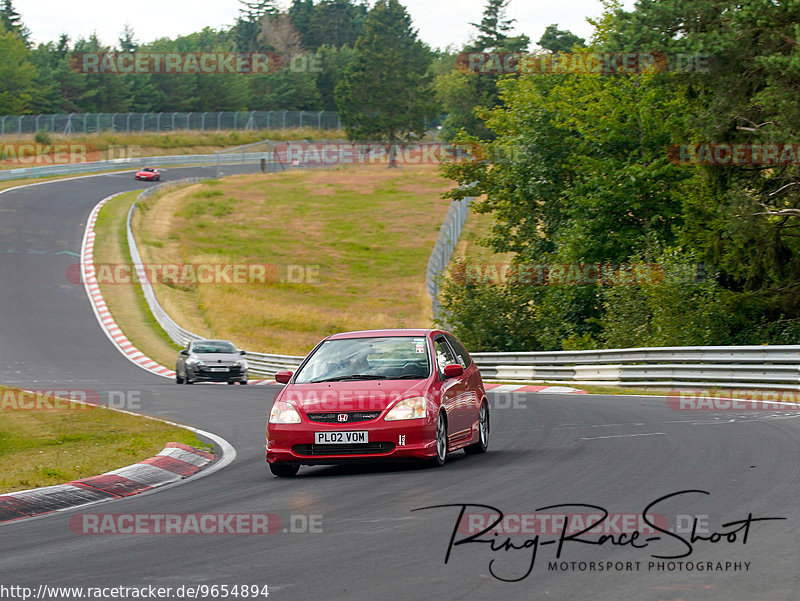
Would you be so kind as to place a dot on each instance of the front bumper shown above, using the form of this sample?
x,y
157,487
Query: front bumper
x,y
235,374
294,443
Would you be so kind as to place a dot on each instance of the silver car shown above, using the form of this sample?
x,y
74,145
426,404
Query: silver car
x,y
211,361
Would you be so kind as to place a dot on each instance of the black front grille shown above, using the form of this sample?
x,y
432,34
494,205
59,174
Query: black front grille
x,y
333,418
366,448
233,370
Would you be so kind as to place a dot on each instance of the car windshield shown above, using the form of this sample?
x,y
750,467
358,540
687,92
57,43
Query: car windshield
x,y
213,347
148,169
390,358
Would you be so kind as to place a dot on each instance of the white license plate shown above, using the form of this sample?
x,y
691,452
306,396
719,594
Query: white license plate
x,y
341,437
219,369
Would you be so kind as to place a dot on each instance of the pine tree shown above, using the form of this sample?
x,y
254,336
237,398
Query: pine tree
x,y
12,21
248,25
383,94
559,40
494,28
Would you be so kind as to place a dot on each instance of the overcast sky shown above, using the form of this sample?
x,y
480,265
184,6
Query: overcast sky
x,y
440,22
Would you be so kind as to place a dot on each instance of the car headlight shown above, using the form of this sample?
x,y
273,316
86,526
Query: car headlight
x,y
284,413
193,361
413,408
242,363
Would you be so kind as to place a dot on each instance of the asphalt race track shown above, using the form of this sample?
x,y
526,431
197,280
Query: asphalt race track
x,y
618,453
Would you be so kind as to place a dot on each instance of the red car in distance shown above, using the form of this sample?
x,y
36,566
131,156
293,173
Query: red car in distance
x,y
377,395
148,174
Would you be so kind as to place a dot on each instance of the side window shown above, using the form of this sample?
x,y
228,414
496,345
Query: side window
x,y
444,355
461,353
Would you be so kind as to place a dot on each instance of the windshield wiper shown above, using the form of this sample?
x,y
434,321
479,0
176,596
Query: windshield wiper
x,y
351,377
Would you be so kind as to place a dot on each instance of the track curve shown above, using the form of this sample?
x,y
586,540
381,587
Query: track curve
x,y
616,452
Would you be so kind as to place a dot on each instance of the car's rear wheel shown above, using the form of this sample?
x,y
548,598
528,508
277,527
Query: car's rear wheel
x,y
483,433
231,382
441,442
283,470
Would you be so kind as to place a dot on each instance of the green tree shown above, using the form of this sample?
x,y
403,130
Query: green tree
x,y
12,21
336,23
333,62
17,75
248,25
384,93
466,96
560,40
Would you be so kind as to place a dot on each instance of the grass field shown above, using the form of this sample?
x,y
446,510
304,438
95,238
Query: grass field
x,y
363,233
50,444
125,300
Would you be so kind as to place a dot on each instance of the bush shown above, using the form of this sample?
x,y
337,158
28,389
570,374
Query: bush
x,y
43,137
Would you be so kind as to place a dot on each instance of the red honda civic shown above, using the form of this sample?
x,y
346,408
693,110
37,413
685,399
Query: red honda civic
x,y
378,395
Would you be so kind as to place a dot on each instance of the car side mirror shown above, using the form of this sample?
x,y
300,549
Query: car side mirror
x,y
184,352
453,371
242,353
283,377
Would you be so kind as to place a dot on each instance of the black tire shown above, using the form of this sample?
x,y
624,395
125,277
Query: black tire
x,y
231,382
284,470
483,432
178,379
243,382
441,442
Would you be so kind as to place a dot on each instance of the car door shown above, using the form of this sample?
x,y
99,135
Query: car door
x,y
453,392
472,377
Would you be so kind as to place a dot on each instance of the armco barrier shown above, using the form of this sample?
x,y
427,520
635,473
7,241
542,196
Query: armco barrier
x,y
446,242
776,367
133,163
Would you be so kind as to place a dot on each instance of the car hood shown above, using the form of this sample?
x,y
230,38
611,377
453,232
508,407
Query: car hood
x,y
361,395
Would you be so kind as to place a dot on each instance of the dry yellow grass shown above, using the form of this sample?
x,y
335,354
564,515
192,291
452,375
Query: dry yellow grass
x,y
369,230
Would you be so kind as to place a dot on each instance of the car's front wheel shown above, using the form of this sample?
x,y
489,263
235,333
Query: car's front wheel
x,y
283,470
441,442
178,379
483,433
